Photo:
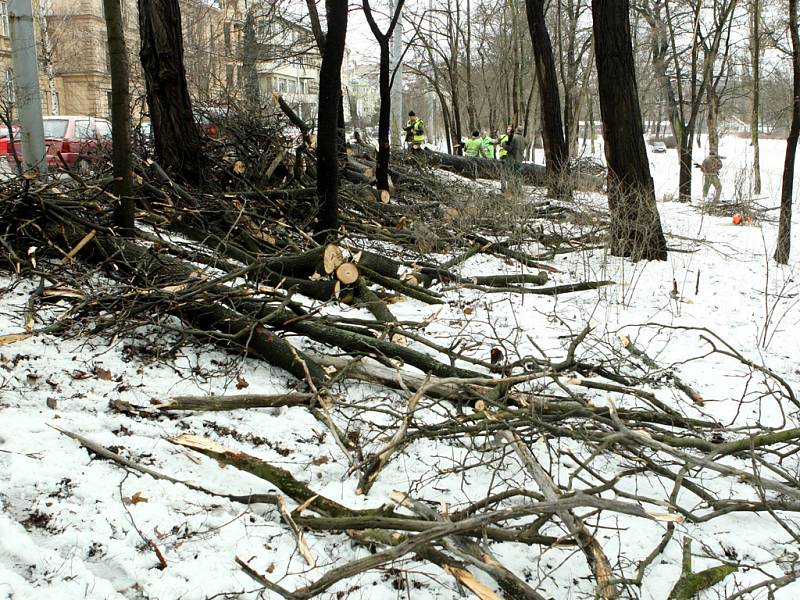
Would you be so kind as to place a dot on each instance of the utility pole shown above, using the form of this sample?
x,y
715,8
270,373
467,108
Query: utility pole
x,y
397,82
431,94
26,80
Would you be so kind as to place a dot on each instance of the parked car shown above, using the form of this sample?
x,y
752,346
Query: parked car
x,y
5,137
659,147
83,142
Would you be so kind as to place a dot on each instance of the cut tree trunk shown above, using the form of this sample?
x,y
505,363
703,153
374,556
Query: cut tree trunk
x,y
485,168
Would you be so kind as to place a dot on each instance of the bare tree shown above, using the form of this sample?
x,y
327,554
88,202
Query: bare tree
x,y
330,112
574,45
784,246
683,73
635,224
383,39
755,66
46,54
120,116
555,147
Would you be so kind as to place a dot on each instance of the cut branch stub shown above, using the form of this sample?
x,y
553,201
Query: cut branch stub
x,y
347,273
332,258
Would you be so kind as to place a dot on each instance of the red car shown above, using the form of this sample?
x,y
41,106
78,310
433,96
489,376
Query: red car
x,y
81,141
5,137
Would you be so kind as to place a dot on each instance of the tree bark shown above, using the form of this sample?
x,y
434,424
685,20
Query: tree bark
x,y
712,118
384,119
555,148
47,56
330,86
755,60
787,191
252,91
120,116
177,141
635,224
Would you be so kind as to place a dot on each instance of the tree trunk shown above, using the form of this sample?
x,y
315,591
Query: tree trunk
x,y
635,225
712,118
252,91
47,56
120,116
177,141
472,114
384,119
685,170
755,59
330,85
787,191
555,148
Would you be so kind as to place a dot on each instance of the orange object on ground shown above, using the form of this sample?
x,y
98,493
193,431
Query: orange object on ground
x,y
737,219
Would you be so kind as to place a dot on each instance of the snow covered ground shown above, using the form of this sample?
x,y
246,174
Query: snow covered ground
x,y
73,526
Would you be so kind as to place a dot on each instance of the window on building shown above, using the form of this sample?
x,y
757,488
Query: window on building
x,y
229,76
9,86
4,30
227,34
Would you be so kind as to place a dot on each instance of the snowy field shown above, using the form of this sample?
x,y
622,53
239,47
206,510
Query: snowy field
x,y
73,525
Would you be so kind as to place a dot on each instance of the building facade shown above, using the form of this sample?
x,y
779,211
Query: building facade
x,y
288,63
75,70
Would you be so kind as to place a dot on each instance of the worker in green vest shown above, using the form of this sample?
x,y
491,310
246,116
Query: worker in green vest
x,y
487,145
502,153
415,131
473,146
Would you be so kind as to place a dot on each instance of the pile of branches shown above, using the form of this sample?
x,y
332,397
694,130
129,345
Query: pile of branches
x,y
234,264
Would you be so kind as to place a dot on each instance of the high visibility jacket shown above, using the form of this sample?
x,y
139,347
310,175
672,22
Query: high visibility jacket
x,y
415,132
472,147
503,152
487,147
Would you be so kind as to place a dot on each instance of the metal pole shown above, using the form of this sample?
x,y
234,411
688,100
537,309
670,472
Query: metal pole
x,y
26,80
397,85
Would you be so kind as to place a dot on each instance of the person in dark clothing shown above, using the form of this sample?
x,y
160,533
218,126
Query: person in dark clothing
x,y
515,146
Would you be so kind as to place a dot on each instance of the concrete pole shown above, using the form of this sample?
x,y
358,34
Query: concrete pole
x,y
396,65
431,94
26,80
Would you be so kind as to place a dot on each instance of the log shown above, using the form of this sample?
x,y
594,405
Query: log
x,y
280,478
359,167
221,403
332,258
351,341
373,303
347,273
245,334
484,168
412,291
